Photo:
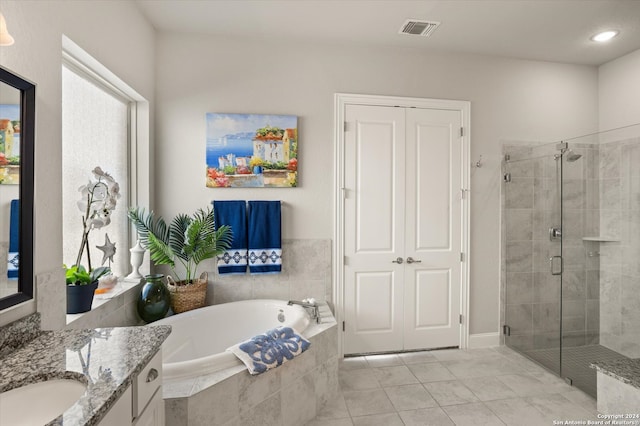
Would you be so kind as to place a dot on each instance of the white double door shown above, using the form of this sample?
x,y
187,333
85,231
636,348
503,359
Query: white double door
x,y
402,228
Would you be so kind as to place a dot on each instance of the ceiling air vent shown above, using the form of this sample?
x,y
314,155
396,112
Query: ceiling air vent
x,y
416,27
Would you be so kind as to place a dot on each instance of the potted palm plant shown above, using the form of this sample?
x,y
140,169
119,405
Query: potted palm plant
x,y
185,242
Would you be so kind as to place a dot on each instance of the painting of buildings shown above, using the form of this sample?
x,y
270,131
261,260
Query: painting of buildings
x,y
9,144
252,150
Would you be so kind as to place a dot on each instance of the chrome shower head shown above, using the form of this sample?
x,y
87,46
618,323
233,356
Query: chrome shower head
x,y
572,156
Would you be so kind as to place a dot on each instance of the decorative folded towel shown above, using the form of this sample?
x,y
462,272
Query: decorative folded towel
x,y
265,241
270,350
234,214
14,239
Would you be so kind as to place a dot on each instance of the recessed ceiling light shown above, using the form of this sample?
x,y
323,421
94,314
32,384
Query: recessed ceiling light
x,y
605,36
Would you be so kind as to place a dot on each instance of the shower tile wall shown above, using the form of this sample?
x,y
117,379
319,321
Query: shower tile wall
x,y
581,219
306,272
620,261
530,208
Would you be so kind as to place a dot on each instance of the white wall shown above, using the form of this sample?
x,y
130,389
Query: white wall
x,y
116,34
619,91
510,99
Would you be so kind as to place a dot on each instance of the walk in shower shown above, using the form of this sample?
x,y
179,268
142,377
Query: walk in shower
x,y
571,251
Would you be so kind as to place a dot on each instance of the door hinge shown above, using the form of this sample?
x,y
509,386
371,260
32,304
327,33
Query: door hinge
x,y
346,126
461,131
461,319
506,330
343,326
461,257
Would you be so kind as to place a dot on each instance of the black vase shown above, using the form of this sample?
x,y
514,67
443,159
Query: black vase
x,y
154,300
80,297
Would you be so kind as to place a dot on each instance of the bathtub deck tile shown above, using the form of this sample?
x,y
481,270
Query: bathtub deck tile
x,y
176,412
255,389
298,401
178,389
289,395
267,413
225,408
326,344
325,381
299,366
209,380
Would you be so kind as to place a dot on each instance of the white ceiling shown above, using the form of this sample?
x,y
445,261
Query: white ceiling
x,y
548,30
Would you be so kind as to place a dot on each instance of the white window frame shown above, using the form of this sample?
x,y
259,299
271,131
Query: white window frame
x,y
86,66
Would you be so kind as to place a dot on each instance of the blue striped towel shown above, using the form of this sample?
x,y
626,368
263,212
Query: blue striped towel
x,y
234,214
265,240
14,240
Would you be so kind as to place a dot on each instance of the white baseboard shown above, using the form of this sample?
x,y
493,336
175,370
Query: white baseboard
x,y
484,340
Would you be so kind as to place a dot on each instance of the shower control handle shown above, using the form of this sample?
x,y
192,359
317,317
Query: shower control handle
x,y
411,260
555,234
398,261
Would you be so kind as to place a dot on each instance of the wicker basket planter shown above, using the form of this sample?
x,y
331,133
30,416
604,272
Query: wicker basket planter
x,y
184,296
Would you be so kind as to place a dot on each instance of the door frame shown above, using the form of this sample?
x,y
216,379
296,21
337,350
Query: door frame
x,y
341,100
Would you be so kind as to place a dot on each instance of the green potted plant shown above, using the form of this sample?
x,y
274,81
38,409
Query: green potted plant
x,y
97,201
187,241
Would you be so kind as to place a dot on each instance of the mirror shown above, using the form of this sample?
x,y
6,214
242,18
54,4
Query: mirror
x,y
17,125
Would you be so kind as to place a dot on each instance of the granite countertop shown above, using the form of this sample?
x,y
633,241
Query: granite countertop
x,y
626,370
106,359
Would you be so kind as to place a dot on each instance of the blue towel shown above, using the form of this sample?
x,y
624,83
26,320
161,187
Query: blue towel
x,y
265,241
234,214
270,350
14,239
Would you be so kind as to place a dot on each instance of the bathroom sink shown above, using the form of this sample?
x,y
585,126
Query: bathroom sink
x,y
39,403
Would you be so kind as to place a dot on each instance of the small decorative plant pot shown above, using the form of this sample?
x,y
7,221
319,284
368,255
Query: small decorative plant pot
x,y
80,297
154,299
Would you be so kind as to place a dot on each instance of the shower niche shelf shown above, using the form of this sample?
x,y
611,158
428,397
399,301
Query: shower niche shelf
x,y
602,239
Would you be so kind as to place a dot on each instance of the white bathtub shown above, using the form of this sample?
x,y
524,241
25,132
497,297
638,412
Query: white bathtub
x,y
199,338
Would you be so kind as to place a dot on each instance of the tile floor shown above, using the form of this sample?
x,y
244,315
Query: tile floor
x,y
493,386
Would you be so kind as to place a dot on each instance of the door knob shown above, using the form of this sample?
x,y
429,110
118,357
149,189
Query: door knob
x,y
398,260
411,260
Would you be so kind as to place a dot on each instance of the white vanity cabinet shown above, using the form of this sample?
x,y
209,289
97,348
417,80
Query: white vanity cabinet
x,y
148,405
142,403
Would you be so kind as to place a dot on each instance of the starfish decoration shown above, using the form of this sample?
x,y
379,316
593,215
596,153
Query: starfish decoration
x,y
109,249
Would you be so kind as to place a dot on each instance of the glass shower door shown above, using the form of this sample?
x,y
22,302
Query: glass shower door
x,y
532,255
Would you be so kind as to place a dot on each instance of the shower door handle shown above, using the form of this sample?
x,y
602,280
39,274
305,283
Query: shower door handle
x,y
555,261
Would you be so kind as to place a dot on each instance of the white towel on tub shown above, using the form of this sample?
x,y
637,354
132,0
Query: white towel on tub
x,y
270,350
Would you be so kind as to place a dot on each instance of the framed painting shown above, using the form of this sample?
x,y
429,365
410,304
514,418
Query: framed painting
x,y
9,144
252,151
